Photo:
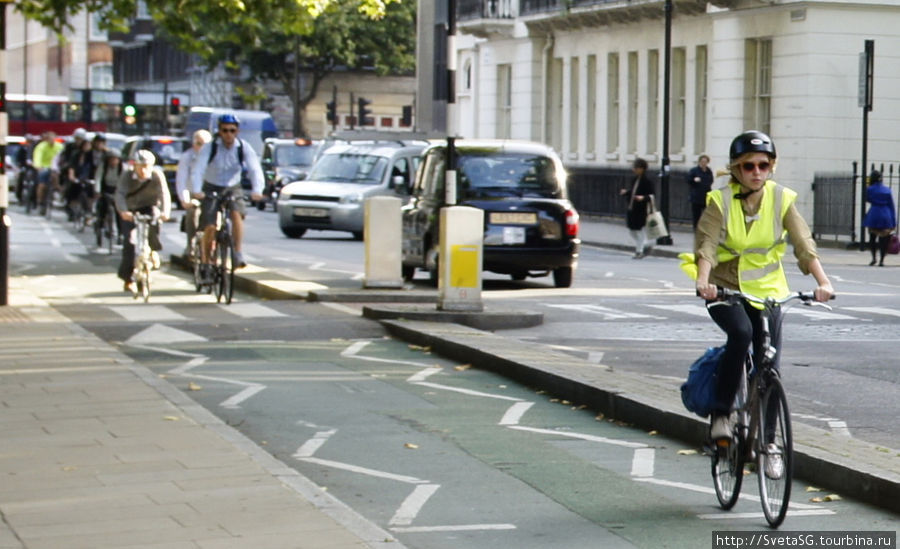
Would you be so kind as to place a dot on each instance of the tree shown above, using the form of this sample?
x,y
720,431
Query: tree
x,y
277,40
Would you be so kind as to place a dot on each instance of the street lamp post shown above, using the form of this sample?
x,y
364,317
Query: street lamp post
x,y
664,173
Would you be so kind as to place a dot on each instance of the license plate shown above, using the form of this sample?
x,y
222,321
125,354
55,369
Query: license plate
x,y
513,218
310,212
514,235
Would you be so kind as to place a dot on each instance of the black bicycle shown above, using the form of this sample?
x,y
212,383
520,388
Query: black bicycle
x,y
104,220
222,257
81,205
761,422
28,191
143,255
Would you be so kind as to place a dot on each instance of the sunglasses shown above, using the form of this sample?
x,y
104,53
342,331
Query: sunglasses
x,y
763,166
228,130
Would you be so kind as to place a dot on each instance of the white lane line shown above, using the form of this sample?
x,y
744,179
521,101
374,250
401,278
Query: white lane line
x,y
711,491
606,312
235,400
342,308
424,374
642,463
364,470
466,391
356,347
839,428
146,313
162,334
456,528
251,310
726,516
581,436
696,310
515,412
874,310
62,370
311,446
413,503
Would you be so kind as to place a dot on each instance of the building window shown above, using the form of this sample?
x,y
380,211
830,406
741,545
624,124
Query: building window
x,y
612,103
758,85
700,80
142,12
591,106
467,76
96,34
652,101
574,107
554,123
504,101
633,101
679,99
100,76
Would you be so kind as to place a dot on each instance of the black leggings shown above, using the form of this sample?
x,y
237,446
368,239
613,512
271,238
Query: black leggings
x,y
743,325
883,242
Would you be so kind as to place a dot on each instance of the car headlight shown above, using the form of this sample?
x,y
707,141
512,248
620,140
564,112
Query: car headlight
x,y
351,199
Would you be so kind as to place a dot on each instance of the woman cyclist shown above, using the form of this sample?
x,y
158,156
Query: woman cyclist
x,y
739,243
106,178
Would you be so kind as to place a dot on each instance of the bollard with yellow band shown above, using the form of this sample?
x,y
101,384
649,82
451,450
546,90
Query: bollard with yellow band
x,y
460,259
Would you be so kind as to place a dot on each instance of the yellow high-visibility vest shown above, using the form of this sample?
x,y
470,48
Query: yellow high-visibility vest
x,y
760,249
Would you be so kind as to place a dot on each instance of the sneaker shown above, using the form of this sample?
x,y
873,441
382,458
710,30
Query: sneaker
x,y
638,255
130,287
239,260
774,462
720,427
154,258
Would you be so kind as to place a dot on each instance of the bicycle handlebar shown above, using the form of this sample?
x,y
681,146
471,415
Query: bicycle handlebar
x,y
808,298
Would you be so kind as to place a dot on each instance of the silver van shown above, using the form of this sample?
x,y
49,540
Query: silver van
x,y
256,126
333,195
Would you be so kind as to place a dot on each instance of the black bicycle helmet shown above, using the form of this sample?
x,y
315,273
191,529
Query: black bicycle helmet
x,y
750,142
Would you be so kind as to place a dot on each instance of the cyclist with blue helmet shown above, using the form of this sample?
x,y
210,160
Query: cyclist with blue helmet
x,y
222,166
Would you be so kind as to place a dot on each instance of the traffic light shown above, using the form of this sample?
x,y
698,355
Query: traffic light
x,y
129,107
364,111
175,106
406,118
331,113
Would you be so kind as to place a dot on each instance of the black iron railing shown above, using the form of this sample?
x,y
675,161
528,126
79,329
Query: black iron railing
x,y
467,10
531,7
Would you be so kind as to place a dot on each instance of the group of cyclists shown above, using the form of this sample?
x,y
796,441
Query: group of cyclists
x,y
211,170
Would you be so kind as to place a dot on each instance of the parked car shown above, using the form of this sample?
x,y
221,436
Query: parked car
x,y
333,195
530,227
284,161
167,150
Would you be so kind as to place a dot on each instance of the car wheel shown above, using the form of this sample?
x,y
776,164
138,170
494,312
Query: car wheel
x,y
408,272
293,232
357,235
518,276
562,277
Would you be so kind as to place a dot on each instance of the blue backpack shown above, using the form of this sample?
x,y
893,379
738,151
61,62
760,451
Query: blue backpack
x,y
698,393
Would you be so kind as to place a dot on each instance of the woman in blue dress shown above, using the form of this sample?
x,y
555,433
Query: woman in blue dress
x,y
881,219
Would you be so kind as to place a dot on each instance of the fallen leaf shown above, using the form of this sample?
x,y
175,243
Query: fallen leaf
x,y
411,446
264,442
599,417
816,500
832,497
688,452
653,433
501,386
813,489
462,367
70,468
193,386
171,418
565,403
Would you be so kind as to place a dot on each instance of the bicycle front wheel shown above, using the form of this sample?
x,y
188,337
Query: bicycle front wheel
x,y
225,286
144,277
775,455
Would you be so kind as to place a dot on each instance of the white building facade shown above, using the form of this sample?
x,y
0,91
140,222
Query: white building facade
x,y
586,76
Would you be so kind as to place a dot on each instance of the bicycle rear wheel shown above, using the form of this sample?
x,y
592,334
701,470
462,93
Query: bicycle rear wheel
x,y
226,264
774,455
196,263
728,471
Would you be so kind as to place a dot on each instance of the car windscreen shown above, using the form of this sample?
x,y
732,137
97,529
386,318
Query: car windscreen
x,y
294,155
168,151
498,173
364,169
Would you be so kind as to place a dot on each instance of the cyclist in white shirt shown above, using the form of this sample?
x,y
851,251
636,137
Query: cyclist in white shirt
x,y
183,184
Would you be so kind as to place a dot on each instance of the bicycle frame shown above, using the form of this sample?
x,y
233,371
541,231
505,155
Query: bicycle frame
x,y
143,263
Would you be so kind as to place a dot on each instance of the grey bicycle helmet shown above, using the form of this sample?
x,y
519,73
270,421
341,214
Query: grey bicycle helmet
x,y
749,142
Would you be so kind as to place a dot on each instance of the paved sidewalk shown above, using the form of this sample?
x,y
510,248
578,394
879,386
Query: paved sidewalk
x,y
99,452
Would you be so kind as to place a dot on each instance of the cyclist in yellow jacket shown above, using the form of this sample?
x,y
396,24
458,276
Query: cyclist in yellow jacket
x,y
739,243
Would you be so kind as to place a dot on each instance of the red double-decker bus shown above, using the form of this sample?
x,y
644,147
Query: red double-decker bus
x,y
36,113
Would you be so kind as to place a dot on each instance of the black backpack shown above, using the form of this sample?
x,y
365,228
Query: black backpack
x,y
245,179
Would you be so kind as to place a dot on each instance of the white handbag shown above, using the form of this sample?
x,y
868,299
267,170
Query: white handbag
x,y
656,225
